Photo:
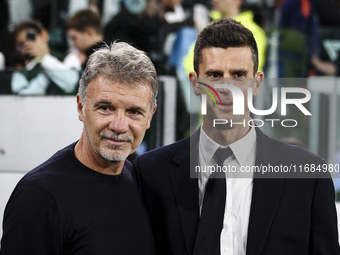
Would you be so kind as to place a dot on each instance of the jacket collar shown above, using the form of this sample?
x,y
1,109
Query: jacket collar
x,y
185,188
265,197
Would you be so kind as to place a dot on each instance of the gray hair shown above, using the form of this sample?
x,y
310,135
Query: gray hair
x,y
122,63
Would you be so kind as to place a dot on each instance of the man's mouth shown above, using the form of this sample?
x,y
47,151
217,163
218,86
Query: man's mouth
x,y
226,105
117,140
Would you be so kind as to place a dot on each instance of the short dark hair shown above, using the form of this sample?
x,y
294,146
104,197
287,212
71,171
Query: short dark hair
x,y
28,24
225,33
84,19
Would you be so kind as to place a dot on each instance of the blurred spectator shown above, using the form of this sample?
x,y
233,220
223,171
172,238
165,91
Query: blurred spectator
x,y
52,14
232,9
107,9
85,31
178,26
40,73
328,12
184,31
224,9
298,43
172,11
200,15
137,23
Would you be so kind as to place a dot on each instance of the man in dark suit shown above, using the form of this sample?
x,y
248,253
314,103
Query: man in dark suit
x,y
196,213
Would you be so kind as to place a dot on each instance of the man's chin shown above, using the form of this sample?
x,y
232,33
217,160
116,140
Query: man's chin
x,y
116,156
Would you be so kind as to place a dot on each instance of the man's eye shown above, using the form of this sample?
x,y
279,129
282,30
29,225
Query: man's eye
x,y
134,112
215,75
239,74
105,108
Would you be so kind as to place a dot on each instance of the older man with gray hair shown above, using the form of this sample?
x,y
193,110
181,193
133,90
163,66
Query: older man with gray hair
x,y
84,199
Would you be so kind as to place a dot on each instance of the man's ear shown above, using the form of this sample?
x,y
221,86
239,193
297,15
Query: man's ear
x,y
193,82
258,81
80,108
151,115
90,31
45,35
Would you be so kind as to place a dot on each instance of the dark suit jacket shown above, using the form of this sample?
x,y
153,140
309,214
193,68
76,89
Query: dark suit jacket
x,y
287,216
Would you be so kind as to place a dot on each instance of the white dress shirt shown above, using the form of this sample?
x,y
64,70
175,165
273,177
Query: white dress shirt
x,y
239,188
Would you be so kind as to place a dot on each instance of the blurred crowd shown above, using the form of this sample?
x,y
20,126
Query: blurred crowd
x,y
45,44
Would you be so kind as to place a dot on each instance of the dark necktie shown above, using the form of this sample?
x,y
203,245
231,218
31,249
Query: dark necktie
x,y
212,214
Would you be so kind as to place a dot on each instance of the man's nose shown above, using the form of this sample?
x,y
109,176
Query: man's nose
x,y
119,124
226,80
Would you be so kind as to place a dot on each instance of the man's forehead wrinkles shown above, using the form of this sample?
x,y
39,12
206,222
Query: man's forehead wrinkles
x,y
228,70
133,105
213,70
232,70
102,102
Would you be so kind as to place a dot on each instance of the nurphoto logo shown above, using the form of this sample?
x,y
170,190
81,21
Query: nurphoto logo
x,y
238,102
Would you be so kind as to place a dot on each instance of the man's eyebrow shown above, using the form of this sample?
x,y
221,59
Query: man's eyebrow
x,y
212,71
102,102
239,70
137,108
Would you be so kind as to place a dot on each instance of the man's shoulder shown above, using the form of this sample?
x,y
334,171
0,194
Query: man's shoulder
x,y
48,171
289,152
164,159
167,151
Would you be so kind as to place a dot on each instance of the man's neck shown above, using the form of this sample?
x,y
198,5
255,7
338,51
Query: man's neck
x,y
88,157
226,136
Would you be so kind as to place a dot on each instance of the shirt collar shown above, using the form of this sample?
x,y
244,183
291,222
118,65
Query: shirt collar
x,y
241,148
244,146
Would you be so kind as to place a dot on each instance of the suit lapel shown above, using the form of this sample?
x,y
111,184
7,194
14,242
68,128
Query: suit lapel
x,y
265,198
185,190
